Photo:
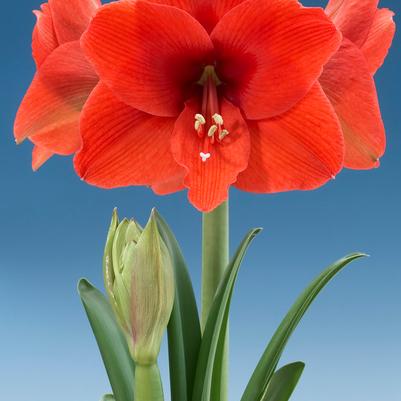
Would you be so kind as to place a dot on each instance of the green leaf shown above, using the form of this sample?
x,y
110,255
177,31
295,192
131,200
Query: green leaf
x,y
112,344
208,373
108,397
184,333
283,382
263,373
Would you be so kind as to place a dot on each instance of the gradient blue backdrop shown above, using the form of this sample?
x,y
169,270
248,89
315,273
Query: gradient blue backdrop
x,y
53,228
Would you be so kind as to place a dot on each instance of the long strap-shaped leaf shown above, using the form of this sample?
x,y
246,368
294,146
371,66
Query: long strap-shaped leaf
x,y
108,397
283,382
207,382
184,333
263,373
111,341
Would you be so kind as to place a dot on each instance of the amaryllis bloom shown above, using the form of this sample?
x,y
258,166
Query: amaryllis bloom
x,y
208,94
348,77
50,111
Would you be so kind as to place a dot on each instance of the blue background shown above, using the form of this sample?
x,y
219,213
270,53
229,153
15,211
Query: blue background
x,y
53,227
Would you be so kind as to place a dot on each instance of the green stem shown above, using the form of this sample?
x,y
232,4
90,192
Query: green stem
x,y
215,258
148,384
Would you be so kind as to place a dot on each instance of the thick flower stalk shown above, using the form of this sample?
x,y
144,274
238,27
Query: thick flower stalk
x,y
139,280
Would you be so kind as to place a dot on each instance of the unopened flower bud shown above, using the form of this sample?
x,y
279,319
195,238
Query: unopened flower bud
x,y
139,280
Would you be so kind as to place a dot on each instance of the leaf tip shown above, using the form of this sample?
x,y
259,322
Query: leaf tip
x,y
154,212
83,285
299,364
255,231
358,255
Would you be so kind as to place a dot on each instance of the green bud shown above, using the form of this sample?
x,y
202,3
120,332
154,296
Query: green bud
x,y
139,281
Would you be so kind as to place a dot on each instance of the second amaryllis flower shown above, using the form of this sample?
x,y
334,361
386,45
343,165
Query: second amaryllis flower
x,y
347,79
206,97
50,112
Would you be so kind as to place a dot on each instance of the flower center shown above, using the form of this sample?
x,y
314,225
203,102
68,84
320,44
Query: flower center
x,y
209,124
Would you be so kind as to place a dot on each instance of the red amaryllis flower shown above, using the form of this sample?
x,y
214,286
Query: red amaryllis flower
x,y
49,113
348,78
205,94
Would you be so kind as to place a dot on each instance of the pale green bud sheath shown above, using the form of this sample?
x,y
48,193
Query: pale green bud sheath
x,y
108,272
139,280
152,292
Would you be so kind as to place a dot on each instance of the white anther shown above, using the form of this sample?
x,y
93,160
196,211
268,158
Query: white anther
x,y
199,121
204,156
212,131
218,119
200,118
333,177
223,134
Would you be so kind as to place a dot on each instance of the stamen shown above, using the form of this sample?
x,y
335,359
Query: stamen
x,y
212,131
200,118
218,119
223,134
200,121
209,123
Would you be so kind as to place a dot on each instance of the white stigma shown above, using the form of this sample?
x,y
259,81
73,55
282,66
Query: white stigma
x,y
204,156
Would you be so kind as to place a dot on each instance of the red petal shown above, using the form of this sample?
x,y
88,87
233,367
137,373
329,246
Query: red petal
x,y
353,17
207,12
62,138
349,85
186,5
271,53
44,39
71,18
123,146
301,149
379,40
149,54
53,103
40,156
209,181
168,187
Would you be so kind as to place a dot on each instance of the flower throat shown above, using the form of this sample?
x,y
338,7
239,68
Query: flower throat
x,y
209,124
